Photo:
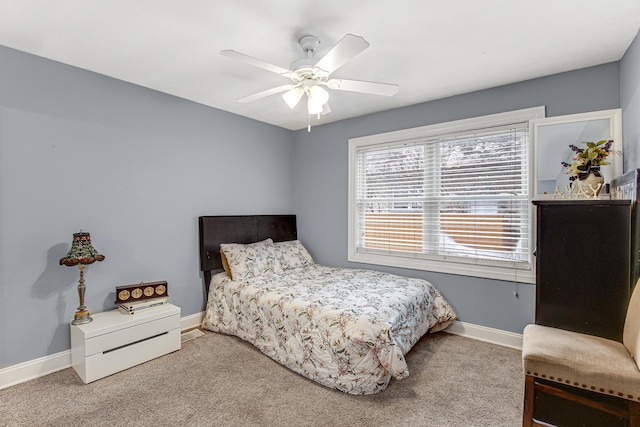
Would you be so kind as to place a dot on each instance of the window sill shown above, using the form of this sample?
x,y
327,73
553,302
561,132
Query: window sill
x,y
463,269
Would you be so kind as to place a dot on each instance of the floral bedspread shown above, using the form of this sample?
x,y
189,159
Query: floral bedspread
x,y
347,329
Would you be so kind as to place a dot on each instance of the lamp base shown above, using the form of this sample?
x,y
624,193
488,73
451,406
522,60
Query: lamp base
x,y
81,317
82,314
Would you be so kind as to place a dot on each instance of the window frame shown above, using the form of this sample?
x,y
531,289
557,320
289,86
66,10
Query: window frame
x,y
430,131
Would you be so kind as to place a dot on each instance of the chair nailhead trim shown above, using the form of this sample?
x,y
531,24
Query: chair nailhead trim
x,y
602,390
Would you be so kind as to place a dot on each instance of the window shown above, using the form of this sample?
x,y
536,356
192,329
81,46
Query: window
x,y
452,197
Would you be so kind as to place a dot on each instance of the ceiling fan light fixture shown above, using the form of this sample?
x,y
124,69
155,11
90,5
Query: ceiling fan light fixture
x,y
313,107
318,95
292,97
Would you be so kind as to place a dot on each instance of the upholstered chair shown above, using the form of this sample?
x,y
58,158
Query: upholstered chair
x,y
589,371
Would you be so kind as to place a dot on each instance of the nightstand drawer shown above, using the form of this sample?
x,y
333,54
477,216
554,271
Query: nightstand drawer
x,y
131,334
100,365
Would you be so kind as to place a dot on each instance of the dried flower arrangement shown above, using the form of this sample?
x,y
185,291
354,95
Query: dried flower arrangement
x,y
588,160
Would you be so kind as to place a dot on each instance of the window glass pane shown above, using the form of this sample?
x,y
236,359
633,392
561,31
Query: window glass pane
x,y
391,186
460,198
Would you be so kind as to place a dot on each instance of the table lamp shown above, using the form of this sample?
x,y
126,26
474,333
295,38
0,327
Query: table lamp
x,y
80,254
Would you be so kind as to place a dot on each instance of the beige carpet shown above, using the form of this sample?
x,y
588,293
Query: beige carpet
x,y
217,380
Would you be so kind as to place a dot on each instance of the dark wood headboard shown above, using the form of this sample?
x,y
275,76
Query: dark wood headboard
x,y
239,229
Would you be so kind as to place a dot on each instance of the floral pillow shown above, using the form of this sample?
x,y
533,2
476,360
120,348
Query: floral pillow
x,y
254,259
292,254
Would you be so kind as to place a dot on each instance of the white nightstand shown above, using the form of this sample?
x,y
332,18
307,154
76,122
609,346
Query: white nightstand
x,y
115,341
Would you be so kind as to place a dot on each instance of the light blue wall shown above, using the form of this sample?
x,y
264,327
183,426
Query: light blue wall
x,y
136,168
133,167
320,180
630,104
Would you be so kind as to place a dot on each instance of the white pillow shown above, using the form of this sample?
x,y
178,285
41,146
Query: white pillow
x,y
254,259
292,254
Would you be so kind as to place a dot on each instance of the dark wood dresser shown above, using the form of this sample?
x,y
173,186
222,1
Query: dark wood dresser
x,y
583,261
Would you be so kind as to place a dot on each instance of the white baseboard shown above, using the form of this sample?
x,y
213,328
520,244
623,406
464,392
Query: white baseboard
x,y
191,321
42,366
33,369
46,365
483,333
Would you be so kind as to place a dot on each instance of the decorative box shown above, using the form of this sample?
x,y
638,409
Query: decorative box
x,y
141,291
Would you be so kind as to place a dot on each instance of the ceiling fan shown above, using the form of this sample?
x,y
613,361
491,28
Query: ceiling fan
x,y
309,75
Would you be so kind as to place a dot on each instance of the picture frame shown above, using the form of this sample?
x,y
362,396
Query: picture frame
x,y
552,136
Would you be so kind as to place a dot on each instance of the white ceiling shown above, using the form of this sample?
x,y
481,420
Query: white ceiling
x,y
431,49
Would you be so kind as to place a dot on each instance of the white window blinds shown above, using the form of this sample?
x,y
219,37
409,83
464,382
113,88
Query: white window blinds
x,y
461,197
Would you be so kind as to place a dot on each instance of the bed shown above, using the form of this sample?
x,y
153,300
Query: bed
x,y
347,329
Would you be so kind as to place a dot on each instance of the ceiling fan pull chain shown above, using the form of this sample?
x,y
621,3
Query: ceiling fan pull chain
x,y
308,122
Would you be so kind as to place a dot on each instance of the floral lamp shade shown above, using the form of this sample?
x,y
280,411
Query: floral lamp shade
x,y
81,253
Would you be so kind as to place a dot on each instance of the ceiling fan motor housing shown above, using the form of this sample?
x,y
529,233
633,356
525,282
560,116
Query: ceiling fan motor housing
x,y
304,68
309,44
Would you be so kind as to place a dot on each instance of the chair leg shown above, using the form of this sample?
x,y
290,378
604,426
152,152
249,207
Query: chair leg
x,y
634,414
529,400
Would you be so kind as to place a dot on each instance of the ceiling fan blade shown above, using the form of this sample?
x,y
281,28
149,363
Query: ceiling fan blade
x,y
255,62
265,93
348,47
373,88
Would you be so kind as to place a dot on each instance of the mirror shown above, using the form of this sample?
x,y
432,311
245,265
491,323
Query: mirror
x,y
551,139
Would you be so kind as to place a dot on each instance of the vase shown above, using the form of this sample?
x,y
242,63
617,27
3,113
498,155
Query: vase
x,y
590,183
